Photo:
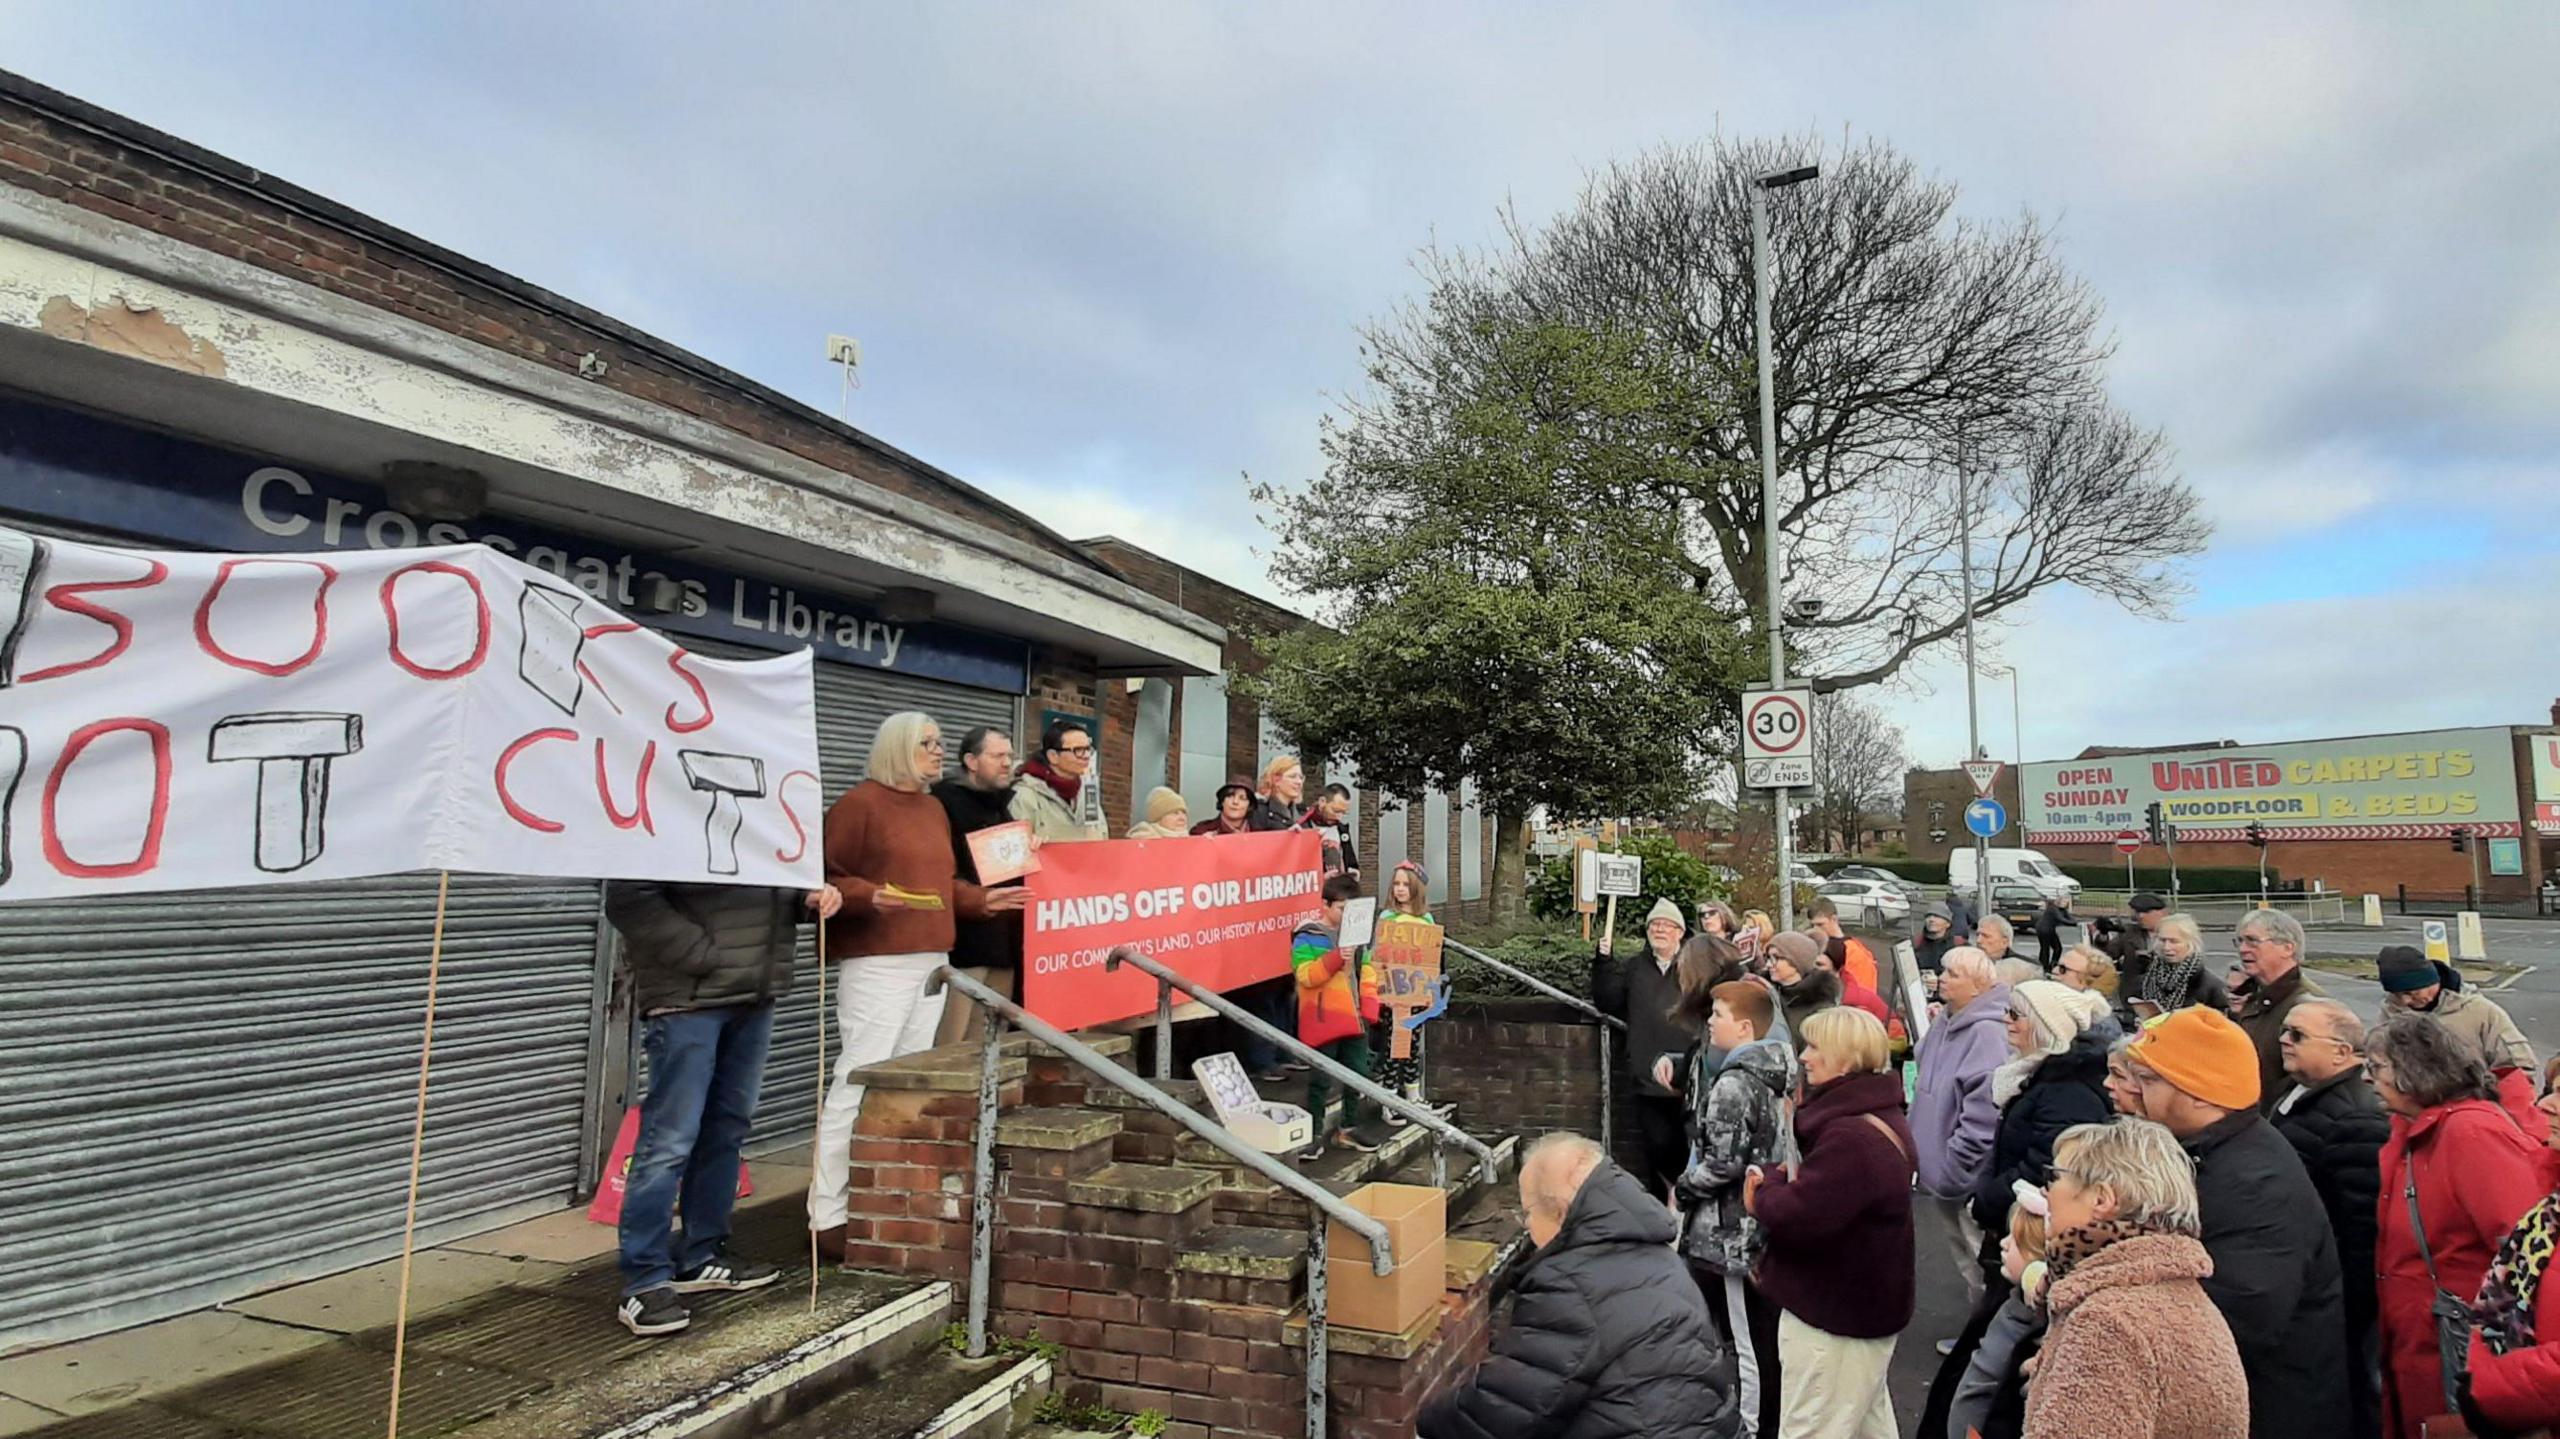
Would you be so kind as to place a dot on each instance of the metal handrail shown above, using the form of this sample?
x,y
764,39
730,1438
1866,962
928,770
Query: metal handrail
x,y
1442,1131
1323,1203
1574,1001
1608,1086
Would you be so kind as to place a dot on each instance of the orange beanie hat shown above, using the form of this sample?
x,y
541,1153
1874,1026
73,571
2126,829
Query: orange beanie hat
x,y
2204,1054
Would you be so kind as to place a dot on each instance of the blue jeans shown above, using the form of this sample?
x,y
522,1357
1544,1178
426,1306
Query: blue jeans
x,y
1275,1003
705,1066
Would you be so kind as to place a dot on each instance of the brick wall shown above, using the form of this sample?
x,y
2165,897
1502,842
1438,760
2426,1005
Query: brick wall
x,y
1525,1067
1954,790
60,148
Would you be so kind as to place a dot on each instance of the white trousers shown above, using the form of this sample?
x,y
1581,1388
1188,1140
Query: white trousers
x,y
1830,1387
1964,1241
1746,1355
881,1013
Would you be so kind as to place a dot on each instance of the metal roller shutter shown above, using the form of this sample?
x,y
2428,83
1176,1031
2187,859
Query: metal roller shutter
x,y
852,702
204,1094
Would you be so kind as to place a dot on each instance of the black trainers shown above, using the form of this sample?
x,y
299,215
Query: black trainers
x,y
727,1274
653,1312
1314,1151
1350,1139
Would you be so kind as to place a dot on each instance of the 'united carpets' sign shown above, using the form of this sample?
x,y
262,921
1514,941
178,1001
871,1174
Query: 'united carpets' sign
x,y
77,470
184,720
1218,909
2545,749
2401,786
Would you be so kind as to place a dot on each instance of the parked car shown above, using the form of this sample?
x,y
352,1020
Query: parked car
x,y
1909,890
2017,903
1866,901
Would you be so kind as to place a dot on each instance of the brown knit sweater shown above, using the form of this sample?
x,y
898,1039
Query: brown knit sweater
x,y
875,836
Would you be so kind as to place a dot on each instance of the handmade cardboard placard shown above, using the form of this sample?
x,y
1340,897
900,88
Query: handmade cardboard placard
x,y
1271,1128
1003,852
1406,953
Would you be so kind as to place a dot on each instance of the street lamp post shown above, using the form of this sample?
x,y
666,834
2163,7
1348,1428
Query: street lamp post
x,y
1760,188
1972,708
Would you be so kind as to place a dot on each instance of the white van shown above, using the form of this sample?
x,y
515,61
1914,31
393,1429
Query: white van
x,y
2013,866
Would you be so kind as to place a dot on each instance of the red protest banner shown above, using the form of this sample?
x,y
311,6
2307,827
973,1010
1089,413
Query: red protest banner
x,y
1216,908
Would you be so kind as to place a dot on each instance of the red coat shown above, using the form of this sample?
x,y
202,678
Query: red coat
x,y
2520,1390
2477,1174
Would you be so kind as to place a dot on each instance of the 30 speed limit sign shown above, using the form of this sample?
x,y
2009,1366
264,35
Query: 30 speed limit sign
x,y
1777,739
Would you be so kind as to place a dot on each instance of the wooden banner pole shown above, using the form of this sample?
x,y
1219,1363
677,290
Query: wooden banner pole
x,y
820,1112
417,1152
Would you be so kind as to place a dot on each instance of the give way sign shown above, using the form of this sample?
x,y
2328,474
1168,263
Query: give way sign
x,y
1777,739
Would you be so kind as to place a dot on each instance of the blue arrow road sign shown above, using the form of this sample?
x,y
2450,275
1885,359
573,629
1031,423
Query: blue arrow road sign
x,y
1986,817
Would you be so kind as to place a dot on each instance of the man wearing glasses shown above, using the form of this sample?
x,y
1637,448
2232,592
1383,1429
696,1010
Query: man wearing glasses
x,y
1049,795
2271,946
2275,1267
2337,1124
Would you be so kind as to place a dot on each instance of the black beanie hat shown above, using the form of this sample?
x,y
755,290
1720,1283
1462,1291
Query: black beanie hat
x,y
2405,969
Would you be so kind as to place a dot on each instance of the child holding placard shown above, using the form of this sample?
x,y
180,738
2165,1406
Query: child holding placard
x,y
1407,897
1337,998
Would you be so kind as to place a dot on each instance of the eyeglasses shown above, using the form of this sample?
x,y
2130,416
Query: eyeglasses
x,y
1078,749
934,743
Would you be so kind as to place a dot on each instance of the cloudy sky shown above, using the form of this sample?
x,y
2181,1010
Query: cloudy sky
x,y
1106,259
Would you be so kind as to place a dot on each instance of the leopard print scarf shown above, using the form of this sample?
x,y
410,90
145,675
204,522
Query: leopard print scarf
x,y
2067,1251
2504,1313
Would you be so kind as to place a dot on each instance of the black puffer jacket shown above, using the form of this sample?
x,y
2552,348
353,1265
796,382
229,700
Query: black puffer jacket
x,y
2275,1277
1608,1337
703,946
2067,1089
2339,1130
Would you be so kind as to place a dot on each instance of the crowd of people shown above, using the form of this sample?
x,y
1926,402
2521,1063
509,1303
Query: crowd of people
x,y
902,898
2180,1204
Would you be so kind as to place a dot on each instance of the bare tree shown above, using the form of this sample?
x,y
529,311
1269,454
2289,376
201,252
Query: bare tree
x,y
1857,767
1914,351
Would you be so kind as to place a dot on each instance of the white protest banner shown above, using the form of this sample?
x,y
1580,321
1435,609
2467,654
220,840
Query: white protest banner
x,y
180,721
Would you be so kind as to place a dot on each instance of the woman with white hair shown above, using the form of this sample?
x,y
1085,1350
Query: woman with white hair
x,y
2178,977
2056,1077
2135,1350
888,848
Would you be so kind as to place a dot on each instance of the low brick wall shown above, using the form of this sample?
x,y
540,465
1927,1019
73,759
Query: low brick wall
x,y
1526,1067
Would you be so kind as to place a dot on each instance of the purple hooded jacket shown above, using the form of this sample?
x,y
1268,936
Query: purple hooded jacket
x,y
1953,1117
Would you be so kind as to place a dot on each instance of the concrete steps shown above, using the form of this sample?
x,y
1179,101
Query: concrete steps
x,y
933,1394
546,1360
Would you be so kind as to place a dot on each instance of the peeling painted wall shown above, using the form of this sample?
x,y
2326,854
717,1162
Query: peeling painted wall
x,y
80,301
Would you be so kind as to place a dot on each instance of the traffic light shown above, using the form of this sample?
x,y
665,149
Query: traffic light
x,y
2157,823
2257,834
2461,840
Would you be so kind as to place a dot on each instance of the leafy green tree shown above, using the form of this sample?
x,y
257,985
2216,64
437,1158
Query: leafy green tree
x,y
1506,600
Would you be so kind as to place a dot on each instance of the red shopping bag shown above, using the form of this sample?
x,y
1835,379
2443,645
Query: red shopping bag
x,y
606,1208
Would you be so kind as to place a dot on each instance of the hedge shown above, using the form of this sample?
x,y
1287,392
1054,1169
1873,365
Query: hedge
x,y
1559,956
2192,879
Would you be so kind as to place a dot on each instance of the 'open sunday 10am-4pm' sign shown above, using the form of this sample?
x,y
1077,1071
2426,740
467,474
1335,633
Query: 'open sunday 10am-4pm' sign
x,y
174,720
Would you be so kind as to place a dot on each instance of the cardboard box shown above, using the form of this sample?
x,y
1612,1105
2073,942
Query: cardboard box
x,y
1414,1215
1357,1298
